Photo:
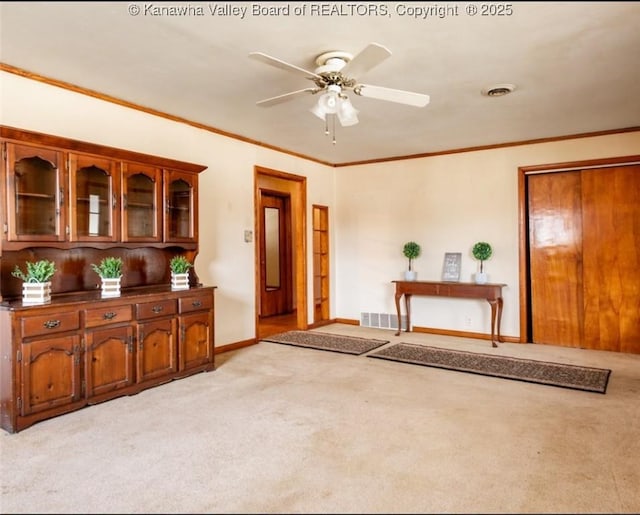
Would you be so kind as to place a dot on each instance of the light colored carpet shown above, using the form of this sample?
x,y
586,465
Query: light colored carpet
x,y
283,429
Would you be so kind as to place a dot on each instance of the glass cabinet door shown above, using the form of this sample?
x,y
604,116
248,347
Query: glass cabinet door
x,y
141,198
34,194
94,201
181,206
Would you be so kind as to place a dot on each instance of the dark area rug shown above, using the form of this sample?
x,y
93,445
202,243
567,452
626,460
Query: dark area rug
x,y
555,374
326,341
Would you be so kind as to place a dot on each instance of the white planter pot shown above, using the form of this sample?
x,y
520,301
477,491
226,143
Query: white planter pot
x,y
482,277
180,281
111,287
36,293
410,275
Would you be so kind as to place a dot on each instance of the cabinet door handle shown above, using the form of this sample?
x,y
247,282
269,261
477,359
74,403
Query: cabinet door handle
x,y
109,315
196,303
157,309
52,324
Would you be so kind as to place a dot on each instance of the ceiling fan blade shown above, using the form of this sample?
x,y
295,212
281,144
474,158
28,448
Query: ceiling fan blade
x,y
361,63
267,102
392,95
278,63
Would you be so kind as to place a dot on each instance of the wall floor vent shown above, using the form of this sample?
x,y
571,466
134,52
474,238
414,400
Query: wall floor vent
x,y
382,320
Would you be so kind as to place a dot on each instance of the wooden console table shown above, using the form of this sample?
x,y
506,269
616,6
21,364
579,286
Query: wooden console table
x,y
491,292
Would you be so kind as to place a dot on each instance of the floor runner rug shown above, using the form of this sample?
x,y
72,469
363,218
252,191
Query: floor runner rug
x,y
555,374
326,341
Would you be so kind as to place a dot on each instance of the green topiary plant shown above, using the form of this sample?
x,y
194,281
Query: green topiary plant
x,y
109,268
482,251
37,272
179,265
411,250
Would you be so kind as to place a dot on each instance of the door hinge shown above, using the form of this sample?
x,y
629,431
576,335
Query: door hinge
x,y
19,403
83,387
19,356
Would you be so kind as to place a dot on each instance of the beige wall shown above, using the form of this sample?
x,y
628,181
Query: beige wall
x,y
445,203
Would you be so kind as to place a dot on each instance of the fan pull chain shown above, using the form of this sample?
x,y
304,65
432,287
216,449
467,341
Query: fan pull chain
x,y
333,121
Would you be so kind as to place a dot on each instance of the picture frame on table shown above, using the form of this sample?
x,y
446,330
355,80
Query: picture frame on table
x,y
451,266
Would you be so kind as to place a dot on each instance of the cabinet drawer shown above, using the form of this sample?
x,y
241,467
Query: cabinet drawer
x,y
195,302
52,323
159,308
102,316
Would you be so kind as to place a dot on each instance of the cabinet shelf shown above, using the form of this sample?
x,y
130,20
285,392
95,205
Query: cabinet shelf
x,y
36,195
84,199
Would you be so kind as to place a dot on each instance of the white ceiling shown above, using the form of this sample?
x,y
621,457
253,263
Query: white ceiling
x,y
576,67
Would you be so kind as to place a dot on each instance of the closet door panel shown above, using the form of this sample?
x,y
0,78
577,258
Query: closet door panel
x,y
555,252
611,243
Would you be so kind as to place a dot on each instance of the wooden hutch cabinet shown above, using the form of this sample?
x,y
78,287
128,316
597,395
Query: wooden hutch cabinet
x,y
75,203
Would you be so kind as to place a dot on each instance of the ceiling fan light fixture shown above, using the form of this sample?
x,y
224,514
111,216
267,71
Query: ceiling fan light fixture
x,y
347,114
328,103
319,111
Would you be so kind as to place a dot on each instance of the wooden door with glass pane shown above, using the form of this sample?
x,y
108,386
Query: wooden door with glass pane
x,y
35,194
276,274
94,203
181,207
141,201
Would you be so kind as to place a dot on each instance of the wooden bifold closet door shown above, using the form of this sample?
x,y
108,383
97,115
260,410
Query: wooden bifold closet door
x,y
584,251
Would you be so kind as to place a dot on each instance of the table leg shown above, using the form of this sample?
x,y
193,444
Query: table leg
x,y
494,303
499,318
398,295
407,306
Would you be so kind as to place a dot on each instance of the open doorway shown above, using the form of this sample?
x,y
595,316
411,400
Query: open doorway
x,y
280,263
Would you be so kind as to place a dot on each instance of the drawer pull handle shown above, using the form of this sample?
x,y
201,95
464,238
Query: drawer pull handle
x,y
52,324
157,309
110,315
196,303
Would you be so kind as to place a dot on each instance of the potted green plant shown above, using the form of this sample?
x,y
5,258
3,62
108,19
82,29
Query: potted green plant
x,y
110,271
411,251
36,285
481,251
179,266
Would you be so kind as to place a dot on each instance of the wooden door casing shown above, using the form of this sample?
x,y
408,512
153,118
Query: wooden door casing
x,y
296,187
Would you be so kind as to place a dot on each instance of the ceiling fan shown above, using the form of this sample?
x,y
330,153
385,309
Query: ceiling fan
x,y
337,73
